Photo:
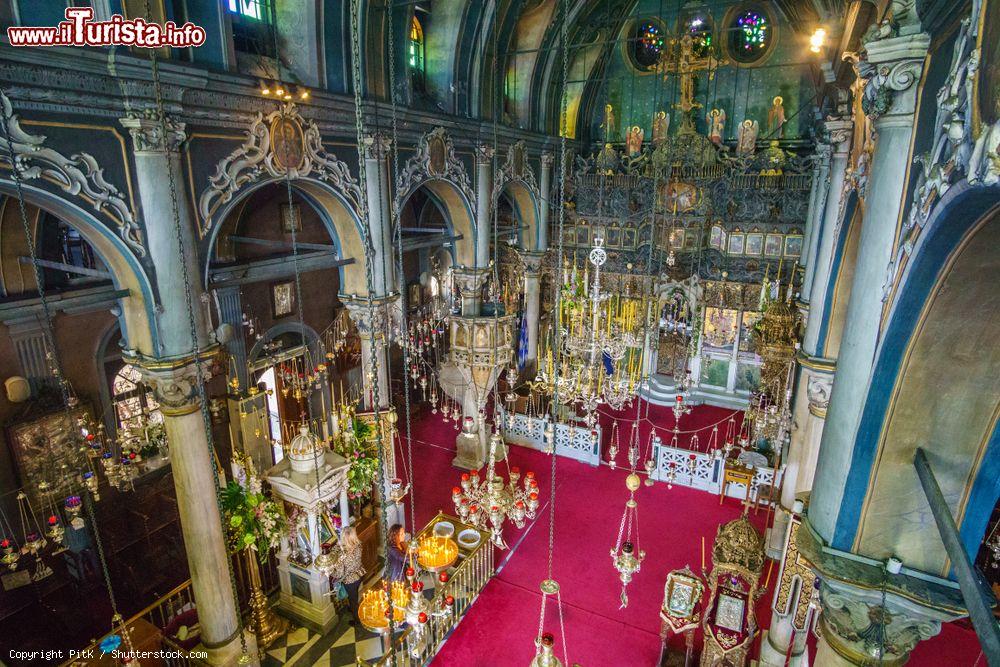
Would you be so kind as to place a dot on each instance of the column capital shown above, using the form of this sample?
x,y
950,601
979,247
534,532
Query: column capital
x,y
532,262
547,160
818,389
175,382
484,154
888,68
839,130
371,321
469,280
148,134
376,145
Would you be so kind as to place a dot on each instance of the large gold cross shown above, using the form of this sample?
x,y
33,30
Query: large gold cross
x,y
681,60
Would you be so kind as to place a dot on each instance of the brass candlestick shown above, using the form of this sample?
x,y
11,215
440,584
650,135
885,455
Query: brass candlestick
x,y
267,625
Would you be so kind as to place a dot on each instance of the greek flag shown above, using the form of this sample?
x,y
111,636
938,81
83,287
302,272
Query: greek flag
x,y
522,342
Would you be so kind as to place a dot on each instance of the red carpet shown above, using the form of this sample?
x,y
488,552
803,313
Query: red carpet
x,y
500,628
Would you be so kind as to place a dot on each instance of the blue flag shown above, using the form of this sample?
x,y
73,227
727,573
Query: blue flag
x,y
522,343
609,365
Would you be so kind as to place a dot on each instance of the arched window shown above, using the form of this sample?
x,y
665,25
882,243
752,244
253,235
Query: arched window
x,y
750,33
415,51
132,399
253,26
645,44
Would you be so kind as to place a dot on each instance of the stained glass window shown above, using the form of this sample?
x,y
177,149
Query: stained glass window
x,y
415,50
646,44
749,35
253,29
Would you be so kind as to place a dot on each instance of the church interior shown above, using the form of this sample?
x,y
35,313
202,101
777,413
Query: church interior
x,y
488,333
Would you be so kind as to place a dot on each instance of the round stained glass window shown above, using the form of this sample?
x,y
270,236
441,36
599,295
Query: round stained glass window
x,y
646,44
749,35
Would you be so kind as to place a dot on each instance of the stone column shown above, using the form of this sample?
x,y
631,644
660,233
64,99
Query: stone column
x,y
890,98
176,390
484,200
545,192
159,179
230,303
376,147
814,219
372,334
826,231
532,306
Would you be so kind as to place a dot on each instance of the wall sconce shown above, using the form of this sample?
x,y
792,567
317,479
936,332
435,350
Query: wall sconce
x,y
817,40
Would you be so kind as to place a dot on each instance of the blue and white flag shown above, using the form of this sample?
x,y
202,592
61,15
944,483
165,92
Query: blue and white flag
x,y
522,342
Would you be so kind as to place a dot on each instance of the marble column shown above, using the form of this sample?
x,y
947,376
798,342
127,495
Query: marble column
x,y
545,192
169,232
890,96
814,218
532,307
373,334
484,199
376,148
826,231
230,304
175,387
173,377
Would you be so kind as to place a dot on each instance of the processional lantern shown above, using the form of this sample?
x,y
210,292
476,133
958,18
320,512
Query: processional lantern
x,y
729,623
681,609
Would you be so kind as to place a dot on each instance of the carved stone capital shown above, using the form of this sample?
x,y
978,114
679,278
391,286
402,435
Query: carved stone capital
x,y
818,390
547,160
839,130
175,383
867,628
374,319
484,154
376,146
469,281
888,70
151,134
532,262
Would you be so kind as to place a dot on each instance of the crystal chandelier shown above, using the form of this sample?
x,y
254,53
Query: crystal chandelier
x,y
626,556
488,503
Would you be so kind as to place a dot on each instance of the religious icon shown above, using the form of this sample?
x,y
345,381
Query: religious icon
x,y
718,237
607,159
772,245
634,141
755,244
614,239
776,118
283,299
736,244
628,238
290,218
691,239
436,155
716,119
678,197
583,235
661,123
793,246
609,125
746,141
287,142
729,612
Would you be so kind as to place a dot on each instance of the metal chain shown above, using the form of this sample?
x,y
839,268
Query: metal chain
x,y
193,331
49,333
397,228
370,283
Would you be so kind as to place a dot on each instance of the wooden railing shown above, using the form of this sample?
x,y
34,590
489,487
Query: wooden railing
x,y
146,627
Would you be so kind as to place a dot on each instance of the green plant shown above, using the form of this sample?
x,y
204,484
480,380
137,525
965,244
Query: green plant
x,y
253,520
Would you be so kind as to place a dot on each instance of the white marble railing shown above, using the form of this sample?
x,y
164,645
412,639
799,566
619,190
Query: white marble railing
x,y
575,442
703,470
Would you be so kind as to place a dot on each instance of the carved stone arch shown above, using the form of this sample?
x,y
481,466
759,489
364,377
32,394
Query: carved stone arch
x,y
435,167
517,179
285,146
309,336
138,318
78,176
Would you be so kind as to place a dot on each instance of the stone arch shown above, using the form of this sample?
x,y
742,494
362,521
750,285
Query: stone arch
x,y
435,168
517,180
309,336
938,341
338,215
138,317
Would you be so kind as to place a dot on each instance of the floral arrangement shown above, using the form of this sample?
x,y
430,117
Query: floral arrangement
x,y
360,449
254,521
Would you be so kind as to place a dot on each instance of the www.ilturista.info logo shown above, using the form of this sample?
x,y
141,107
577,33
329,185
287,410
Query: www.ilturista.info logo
x,y
79,30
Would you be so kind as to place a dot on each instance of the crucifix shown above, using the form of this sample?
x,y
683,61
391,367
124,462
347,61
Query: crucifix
x,y
681,60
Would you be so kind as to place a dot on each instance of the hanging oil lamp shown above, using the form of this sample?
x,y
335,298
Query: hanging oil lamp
x,y
626,556
545,656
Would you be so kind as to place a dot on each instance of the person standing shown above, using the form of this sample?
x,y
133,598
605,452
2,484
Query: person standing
x,y
349,566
